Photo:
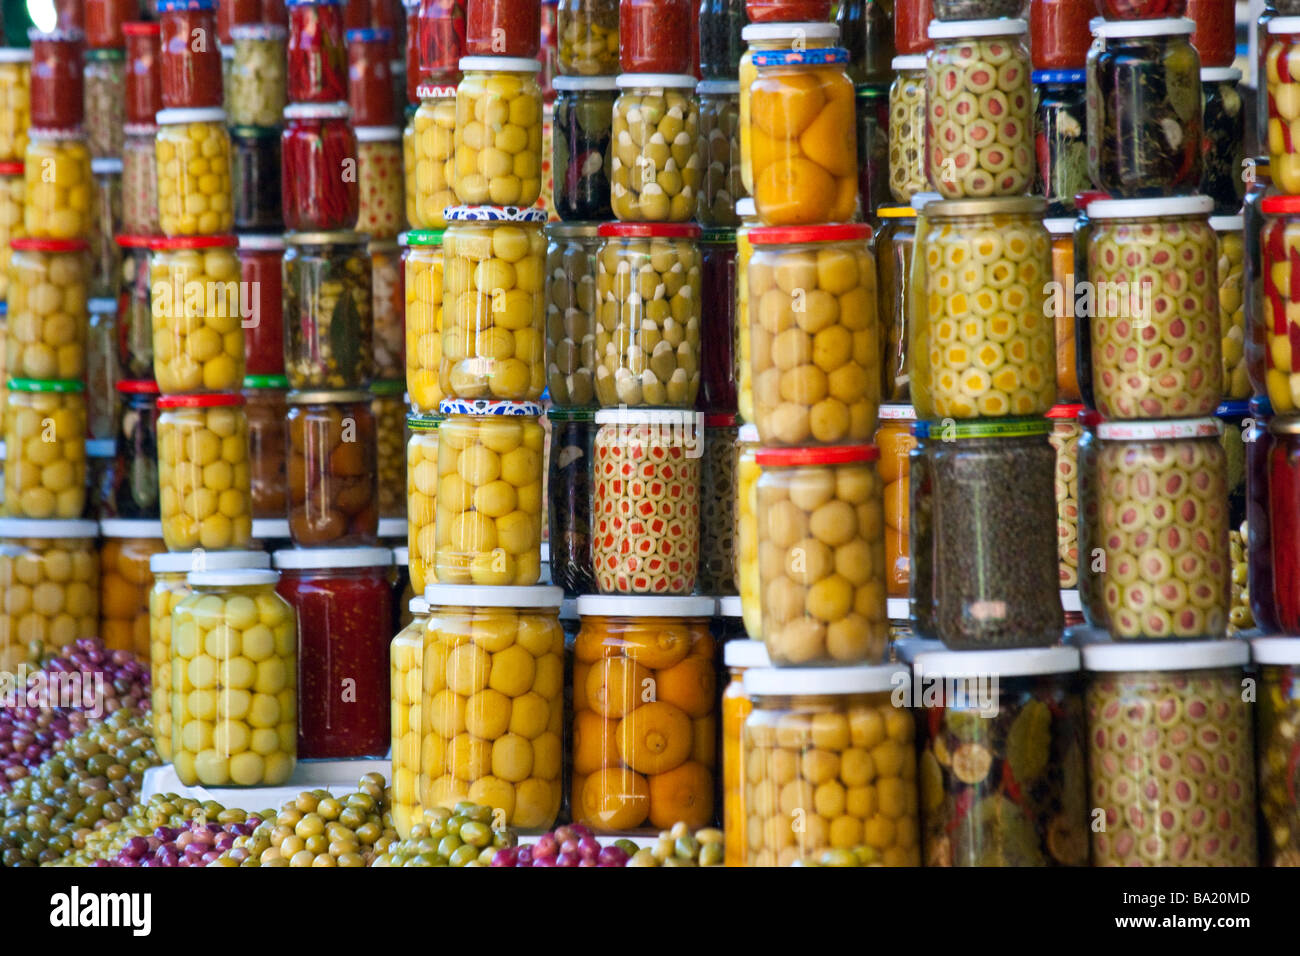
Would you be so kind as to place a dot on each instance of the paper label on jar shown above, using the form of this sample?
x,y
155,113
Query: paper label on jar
x,y
987,610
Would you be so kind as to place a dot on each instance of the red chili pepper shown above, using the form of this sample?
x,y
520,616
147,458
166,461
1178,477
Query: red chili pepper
x,y
1009,784
961,807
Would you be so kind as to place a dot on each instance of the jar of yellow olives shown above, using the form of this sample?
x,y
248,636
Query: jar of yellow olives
x,y
234,681
423,284
829,765
203,472
430,136
746,570
56,168
48,315
12,193
198,305
406,689
422,498
655,167
194,169
498,132
15,102
45,449
389,408
49,576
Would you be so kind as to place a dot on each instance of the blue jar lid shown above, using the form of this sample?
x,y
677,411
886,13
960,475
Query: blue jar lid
x,y
1233,408
485,406
169,6
369,35
1059,76
494,214
829,54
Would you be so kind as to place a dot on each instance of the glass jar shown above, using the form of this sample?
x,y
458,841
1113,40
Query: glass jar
x,y
806,723
57,185
1215,36
639,762
1004,776
493,344
1261,598
1155,347
744,363
203,472
431,158
1060,33
1232,312
106,222
655,36
406,687
989,352
739,656
423,317
105,92
194,170
1170,754
191,55
125,582
1144,111
422,498
332,469
439,36
977,9
1236,428
1060,122
49,572
1061,298
57,85
379,177
328,322
1276,726
987,503
210,678
720,148
390,437
587,37
503,28
198,336
1140,9
988,151
260,274
45,448
652,181
717,555
15,102
572,313
896,442
746,569
135,309
342,603
258,95
142,89
721,46
12,189
317,148
717,392
256,176
1282,486
569,497
317,53
388,304
1223,139
100,462
498,159
370,80
49,286
584,111
1066,431
492,708
101,367
872,107
489,518
894,243
648,337
140,181
867,32
266,408
135,473
821,556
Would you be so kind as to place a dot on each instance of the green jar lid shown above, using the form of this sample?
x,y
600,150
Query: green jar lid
x,y
571,414
421,237
388,387
872,91
418,422
106,53
718,235
62,386
953,430
266,381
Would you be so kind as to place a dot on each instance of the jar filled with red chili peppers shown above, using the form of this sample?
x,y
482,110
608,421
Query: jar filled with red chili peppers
x,y
260,258
504,28
191,54
333,469
104,20
370,78
318,56
57,86
344,607
143,73
441,41
654,36
255,178
1284,520
319,164
787,11
911,24
268,443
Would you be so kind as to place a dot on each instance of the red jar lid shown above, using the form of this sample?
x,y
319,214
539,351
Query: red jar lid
x,y
831,455
11,169
138,386
720,419
200,401
141,28
649,230
1273,205
167,243
130,241
48,245
1064,411
790,235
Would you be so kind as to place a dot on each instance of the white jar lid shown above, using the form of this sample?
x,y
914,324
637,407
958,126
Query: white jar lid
x,y
402,556
790,681
1284,25
729,606
1148,431
130,528
914,62
746,209
959,29
1228,223
378,134
579,84
206,114
392,528
1150,208
418,606
243,577
1113,656
1220,74
102,165
273,242
748,434
305,559
716,88
897,413
746,654
649,416
199,560
499,64
643,605
1059,226
1020,662
1113,29
316,111
47,528
636,81
469,595
1276,650
766,32
14,54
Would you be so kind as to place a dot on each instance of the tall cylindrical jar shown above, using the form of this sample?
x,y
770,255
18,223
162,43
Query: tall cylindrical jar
x,y
406,687
569,498
1277,716
422,499
190,57
203,472
572,313
581,146
655,168
739,656
328,317
317,52
423,288
498,157
45,449
332,469
317,149
896,440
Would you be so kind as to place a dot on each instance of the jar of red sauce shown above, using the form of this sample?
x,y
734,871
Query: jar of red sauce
x,y
317,146
1215,36
505,28
654,36
441,42
344,605
370,78
69,15
1141,9
356,15
191,54
104,20
234,13
318,56
260,257
143,76
57,85
911,21
787,11
1059,33
412,10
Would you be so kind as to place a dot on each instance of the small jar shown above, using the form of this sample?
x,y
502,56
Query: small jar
x,y
105,92
229,612
1065,435
140,181
744,364
1262,590
867,32
261,260
388,304
739,656
317,53
569,498
1060,123
987,353
572,313
440,39
135,309
406,683
266,408
191,55
493,344
317,148
194,169
1059,33
907,148
106,222
1223,139
1144,114
503,28
257,166
45,448
746,568
1236,427
203,472
1170,754
636,760
717,393
896,441
895,241
15,102
654,36
1090,580
370,78
57,77
329,328
648,339
389,410
12,189
988,504
583,122
720,147
717,559
101,367
498,159
49,572
423,287
101,461
1232,312
198,335
333,468
1061,297
651,183
587,37
1004,774
987,151
125,582
342,602
257,94
872,108
57,198
49,287
143,86
816,381
489,517
1276,724
430,160
135,472
846,714
422,498
381,207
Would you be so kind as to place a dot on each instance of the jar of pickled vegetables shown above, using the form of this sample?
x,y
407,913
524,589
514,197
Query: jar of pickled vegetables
x,y
381,212
203,472
1170,754
1061,121
45,449
1273,327
406,687
1232,311
717,391
318,149
140,180
1061,298
101,367
572,313
895,440
498,132
720,147
423,286
422,498
142,89
256,170
257,76
1281,484
194,169
198,335
644,760
489,517
430,158
1144,111
101,461
328,318
987,352
317,53
1223,139
266,408
1277,659
332,469
388,304
49,573
893,246
106,222
57,85
717,558
569,498
15,102
234,651
48,293
260,266
492,708
583,124
656,172
814,727
746,566
105,92
872,111
389,409
1261,601
191,54
587,37
370,79
134,493
907,150
739,656
125,582
1284,153
57,200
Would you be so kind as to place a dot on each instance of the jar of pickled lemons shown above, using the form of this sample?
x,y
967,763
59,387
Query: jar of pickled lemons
x,y
422,498
655,167
194,169
58,201
406,690
738,657
422,258
48,308
198,305
49,576
203,472
15,102
45,448
498,132
430,169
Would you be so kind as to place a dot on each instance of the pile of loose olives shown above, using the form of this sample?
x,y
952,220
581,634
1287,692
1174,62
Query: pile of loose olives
x,y
461,836
680,847
571,845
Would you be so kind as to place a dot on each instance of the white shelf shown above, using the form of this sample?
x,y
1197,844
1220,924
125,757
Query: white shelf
x,y
339,777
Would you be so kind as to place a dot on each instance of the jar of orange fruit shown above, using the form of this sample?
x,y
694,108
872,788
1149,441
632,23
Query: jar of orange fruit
x,y
739,656
896,441
125,581
645,725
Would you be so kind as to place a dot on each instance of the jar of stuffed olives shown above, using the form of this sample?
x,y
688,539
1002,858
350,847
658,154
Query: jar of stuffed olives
x,y
907,151
582,138
1277,723
587,37
328,320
